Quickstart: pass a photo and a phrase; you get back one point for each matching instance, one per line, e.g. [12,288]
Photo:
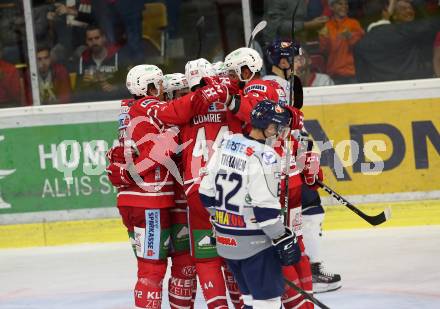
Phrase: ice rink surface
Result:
[380,268]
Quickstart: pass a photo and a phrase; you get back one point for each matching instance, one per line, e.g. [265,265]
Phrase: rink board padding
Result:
[414,213]
[379,143]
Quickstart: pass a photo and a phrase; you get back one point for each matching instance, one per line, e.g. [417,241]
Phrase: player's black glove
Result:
[287,248]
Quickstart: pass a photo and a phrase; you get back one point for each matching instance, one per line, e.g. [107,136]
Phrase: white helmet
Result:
[196,69]
[140,76]
[244,56]
[172,82]
[219,68]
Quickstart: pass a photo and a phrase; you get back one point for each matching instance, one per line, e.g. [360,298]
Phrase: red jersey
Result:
[153,144]
[255,91]
[198,133]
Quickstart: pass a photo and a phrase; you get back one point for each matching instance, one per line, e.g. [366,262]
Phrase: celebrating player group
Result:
[210,173]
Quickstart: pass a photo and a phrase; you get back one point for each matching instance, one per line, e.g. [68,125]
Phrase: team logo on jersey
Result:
[248,199]
[229,219]
[269,158]
[226,241]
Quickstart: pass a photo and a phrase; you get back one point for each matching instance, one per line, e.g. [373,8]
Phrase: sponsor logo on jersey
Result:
[152,226]
[257,87]
[233,162]
[228,219]
[189,271]
[205,241]
[269,158]
[226,241]
[249,151]
[124,120]
[217,107]
[209,118]
[235,146]
[183,233]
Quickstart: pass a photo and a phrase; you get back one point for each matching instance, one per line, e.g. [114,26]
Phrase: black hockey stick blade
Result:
[260,26]
[373,220]
[298,91]
[306,295]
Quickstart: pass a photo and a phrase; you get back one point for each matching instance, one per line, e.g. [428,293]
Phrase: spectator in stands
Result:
[10,86]
[436,58]
[397,51]
[309,78]
[117,15]
[13,34]
[53,79]
[100,75]
[337,39]
[279,13]
[70,19]
[384,8]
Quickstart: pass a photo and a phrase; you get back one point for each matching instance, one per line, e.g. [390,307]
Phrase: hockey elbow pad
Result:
[287,248]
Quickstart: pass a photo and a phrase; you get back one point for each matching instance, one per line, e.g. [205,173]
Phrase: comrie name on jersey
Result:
[233,162]
[209,118]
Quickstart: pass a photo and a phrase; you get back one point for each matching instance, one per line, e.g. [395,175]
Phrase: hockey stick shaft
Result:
[373,220]
[306,295]
[260,26]
[288,139]
[199,26]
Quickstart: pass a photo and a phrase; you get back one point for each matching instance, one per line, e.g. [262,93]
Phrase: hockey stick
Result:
[306,295]
[373,220]
[260,26]
[200,24]
[287,140]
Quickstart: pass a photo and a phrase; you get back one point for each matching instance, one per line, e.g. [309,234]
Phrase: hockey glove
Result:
[203,97]
[119,175]
[297,118]
[287,248]
[220,85]
[116,154]
[311,169]
[232,85]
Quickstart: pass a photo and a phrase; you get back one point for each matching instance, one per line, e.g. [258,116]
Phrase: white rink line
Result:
[380,268]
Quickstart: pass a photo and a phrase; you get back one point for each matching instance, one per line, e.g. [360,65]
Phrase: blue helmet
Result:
[282,49]
[267,112]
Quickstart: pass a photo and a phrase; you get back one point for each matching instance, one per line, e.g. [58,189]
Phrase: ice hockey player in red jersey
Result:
[245,64]
[201,132]
[182,284]
[142,170]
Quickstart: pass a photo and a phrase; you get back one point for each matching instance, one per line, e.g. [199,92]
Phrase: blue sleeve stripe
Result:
[207,201]
[264,214]
[241,232]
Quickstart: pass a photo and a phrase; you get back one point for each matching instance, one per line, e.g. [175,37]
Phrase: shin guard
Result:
[212,283]
[148,289]
[180,284]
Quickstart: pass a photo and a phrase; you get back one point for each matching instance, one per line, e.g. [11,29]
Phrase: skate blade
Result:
[326,288]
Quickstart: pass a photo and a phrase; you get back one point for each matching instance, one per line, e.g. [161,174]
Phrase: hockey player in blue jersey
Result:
[241,188]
